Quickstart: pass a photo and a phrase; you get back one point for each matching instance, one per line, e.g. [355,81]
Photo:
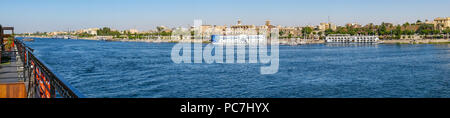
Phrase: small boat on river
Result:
[28,39]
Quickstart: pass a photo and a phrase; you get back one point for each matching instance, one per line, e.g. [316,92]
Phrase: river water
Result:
[145,70]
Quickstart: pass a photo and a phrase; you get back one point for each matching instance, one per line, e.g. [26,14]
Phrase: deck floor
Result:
[8,72]
[10,86]
[13,90]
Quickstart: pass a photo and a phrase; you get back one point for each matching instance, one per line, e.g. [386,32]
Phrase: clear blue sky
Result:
[53,15]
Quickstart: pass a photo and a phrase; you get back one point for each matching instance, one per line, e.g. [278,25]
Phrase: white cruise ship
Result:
[342,38]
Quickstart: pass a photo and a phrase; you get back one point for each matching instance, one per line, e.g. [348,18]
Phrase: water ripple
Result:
[121,69]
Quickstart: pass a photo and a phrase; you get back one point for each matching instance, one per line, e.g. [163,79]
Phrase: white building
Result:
[91,31]
[133,31]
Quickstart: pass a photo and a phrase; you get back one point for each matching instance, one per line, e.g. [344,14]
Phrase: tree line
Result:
[384,30]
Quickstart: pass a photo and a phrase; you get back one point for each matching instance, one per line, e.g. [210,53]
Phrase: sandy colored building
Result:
[353,25]
[243,29]
[91,31]
[442,23]
[133,31]
[325,26]
[56,33]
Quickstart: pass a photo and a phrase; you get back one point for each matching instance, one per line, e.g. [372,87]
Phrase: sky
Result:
[64,15]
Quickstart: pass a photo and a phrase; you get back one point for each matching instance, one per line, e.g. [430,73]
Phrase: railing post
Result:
[52,90]
[24,63]
[31,86]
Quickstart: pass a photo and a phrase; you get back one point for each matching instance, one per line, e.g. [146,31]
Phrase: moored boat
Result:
[28,39]
[341,38]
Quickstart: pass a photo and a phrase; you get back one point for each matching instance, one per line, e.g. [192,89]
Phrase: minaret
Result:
[239,22]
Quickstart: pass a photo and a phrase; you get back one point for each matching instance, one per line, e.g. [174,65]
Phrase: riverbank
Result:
[419,41]
[161,41]
[282,41]
[298,42]
[127,40]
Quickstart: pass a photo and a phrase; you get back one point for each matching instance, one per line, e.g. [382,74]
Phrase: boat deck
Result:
[13,90]
[10,86]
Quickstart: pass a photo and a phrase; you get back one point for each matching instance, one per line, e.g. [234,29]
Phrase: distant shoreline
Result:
[418,41]
[282,41]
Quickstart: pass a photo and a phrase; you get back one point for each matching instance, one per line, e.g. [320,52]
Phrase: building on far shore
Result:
[243,29]
[91,31]
[353,25]
[57,33]
[132,31]
[442,23]
[325,26]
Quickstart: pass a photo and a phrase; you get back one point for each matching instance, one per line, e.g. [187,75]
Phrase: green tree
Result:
[382,29]
[398,31]
[446,31]
[307,30]
[160,29]
[418,21]
[436,31]
[106,31]
[425,29]
[329,31]
[408,32]
[352,31]
[103,31]
[341,30]
[281,33]
[406,24]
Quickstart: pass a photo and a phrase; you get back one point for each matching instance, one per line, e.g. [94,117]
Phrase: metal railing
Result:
[42,82]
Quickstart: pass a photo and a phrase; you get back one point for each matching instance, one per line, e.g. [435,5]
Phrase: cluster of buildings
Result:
[440,23]
[207,30]
[90,31]
[239,28]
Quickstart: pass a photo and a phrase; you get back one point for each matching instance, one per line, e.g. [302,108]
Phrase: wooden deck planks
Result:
[13,90]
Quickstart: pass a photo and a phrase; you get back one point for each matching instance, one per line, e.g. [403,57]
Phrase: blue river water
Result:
[145,70]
